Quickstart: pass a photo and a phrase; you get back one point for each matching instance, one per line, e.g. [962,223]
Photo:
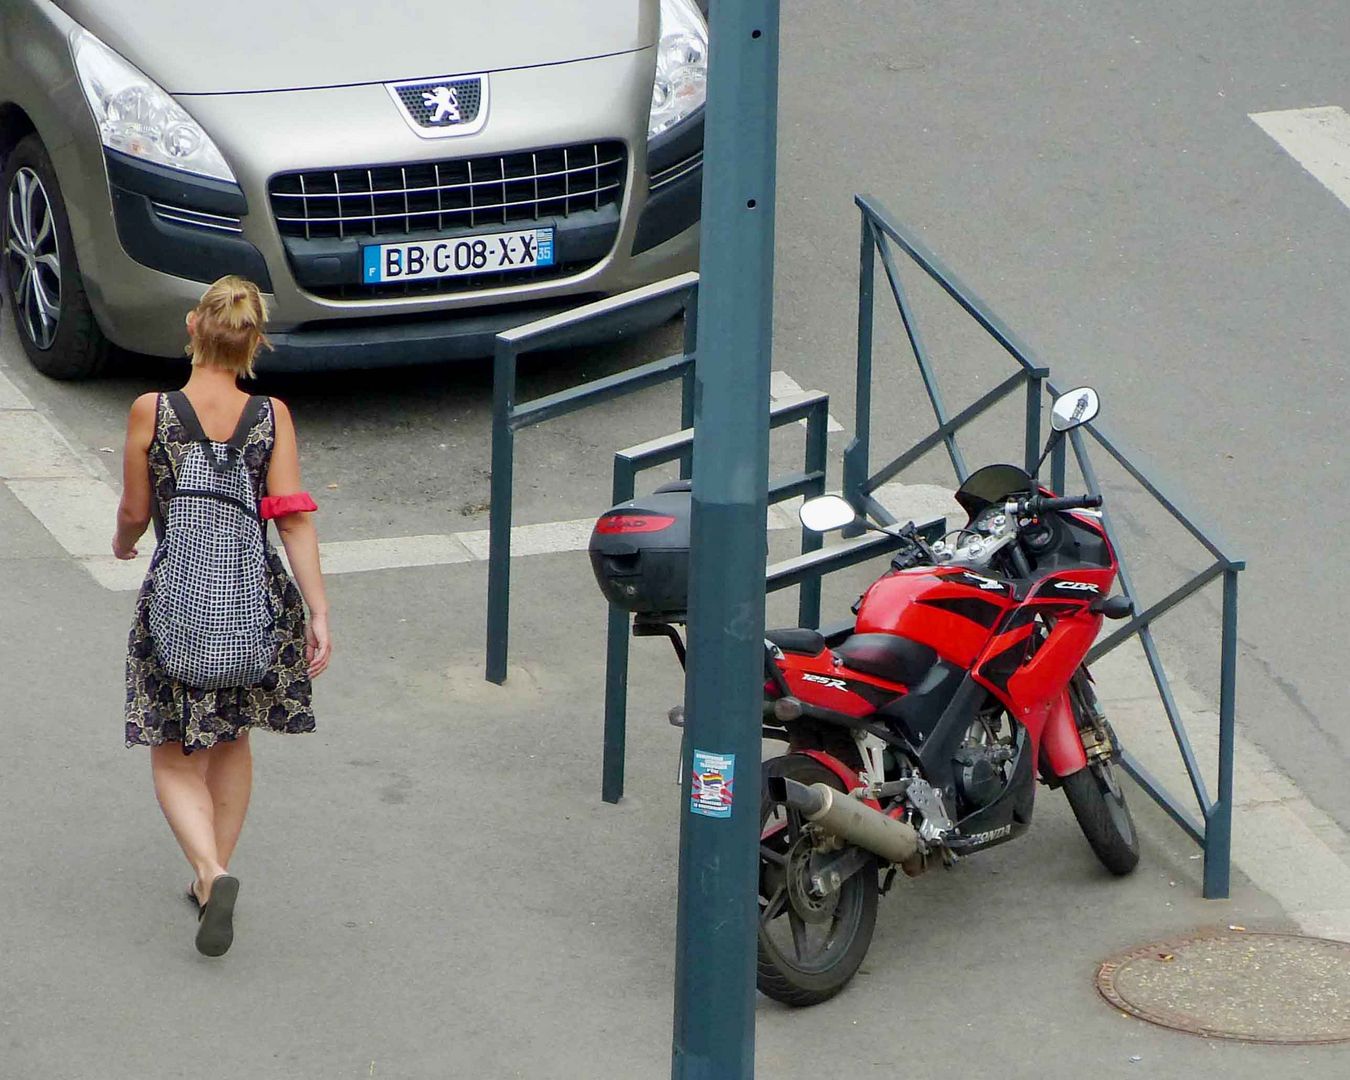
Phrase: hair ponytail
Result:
[227,326]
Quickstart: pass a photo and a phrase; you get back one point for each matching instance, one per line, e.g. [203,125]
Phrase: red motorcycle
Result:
[917,734]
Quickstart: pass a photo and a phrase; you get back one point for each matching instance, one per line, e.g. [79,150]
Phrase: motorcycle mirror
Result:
[826,513]
[1074,409]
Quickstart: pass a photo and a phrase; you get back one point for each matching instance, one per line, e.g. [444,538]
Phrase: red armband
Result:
[275,506]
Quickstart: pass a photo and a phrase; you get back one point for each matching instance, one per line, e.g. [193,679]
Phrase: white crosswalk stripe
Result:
[782,385]
[71,498]
[1318,139]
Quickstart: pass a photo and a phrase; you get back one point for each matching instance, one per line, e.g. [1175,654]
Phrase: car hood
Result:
[240,46]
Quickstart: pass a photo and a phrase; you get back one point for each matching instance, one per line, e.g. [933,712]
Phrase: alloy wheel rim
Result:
[33,258]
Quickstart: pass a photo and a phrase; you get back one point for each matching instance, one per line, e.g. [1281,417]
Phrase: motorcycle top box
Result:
[640,554]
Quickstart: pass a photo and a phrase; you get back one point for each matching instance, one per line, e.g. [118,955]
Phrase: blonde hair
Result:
[227,328]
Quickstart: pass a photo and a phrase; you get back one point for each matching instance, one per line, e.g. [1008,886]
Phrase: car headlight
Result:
[138,118]
[681,84]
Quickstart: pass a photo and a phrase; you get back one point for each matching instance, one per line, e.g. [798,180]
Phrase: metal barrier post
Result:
[616,705]
[499,511]
[1035,388]
[817,450]
[857,453]
[1059,457]
[1219,820]
[616,665]
[689,383]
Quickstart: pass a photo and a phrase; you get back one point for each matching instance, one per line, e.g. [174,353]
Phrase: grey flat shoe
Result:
[215,921]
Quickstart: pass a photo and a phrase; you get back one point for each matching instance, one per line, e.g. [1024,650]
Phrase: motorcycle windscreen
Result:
[992,484]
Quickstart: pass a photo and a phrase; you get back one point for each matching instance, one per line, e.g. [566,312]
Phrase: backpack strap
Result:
[187,416]
[156,518]
[253,411]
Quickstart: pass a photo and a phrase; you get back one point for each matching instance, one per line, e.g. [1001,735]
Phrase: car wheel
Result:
[42,280]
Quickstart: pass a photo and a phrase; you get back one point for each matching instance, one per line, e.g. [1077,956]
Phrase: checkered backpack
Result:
[211,618]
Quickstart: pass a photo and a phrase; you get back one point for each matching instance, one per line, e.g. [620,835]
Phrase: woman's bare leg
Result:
[182,793]
[180,787]
[229,778]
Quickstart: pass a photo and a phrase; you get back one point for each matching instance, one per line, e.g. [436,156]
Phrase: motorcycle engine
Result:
[978,777]
[980,766]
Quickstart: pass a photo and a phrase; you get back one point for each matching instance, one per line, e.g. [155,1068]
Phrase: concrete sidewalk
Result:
[432,887]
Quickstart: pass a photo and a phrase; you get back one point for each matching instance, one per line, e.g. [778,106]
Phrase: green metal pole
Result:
[499,520]
[714,1031]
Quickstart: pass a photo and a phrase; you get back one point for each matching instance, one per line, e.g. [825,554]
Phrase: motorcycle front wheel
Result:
[1099,805]
[809,947]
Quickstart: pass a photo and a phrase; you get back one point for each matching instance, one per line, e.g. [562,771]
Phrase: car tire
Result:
[42,281]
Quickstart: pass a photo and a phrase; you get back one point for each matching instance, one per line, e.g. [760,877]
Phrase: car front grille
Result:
[395,200]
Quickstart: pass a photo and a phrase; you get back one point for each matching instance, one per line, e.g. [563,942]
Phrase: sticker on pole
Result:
[711,793]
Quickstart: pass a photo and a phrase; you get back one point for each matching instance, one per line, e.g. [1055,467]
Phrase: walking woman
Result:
[220,643]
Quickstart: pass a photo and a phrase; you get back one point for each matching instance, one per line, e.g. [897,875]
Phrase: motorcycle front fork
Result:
[1098,741]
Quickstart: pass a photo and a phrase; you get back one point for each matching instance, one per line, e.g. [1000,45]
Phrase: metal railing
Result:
[1213,831]
[509,416]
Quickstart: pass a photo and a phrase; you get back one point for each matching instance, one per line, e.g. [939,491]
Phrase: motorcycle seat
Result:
[797,640]
[888,656]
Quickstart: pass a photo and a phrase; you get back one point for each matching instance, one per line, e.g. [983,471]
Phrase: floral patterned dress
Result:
[160,709]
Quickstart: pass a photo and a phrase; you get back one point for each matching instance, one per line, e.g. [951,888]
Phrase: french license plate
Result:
[482,253]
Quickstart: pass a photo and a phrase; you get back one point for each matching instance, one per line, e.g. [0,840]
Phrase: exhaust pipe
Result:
[848,818]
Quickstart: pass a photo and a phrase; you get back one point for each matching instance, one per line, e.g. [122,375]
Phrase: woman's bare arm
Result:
[300,538]
[133,513]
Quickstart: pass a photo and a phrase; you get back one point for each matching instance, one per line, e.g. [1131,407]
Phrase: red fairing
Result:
[275,506]
[1061,745]
[948,609]
[1033,686]
[822,681]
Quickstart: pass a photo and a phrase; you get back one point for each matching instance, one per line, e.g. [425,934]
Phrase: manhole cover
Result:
[1277,988]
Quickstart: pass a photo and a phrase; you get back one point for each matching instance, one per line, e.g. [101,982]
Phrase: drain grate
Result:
[1256,987]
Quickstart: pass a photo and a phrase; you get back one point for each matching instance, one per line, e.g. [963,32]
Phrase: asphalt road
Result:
[1091,172]
[1094,174]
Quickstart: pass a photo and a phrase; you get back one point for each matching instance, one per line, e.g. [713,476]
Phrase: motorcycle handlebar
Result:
[1038,504]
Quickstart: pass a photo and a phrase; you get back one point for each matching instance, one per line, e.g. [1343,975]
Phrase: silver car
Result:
[404,179]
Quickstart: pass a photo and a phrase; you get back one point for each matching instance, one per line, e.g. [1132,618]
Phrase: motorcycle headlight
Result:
[681,84]
[138,118]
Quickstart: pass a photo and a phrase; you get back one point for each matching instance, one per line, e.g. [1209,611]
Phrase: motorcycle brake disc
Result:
[806,900]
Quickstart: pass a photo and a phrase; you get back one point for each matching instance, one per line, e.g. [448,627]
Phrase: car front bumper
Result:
[146,257]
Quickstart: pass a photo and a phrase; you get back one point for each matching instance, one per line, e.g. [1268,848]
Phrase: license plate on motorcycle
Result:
[456,256]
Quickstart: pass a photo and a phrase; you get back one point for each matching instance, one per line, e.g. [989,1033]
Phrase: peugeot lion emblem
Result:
[444,103]
[436,108]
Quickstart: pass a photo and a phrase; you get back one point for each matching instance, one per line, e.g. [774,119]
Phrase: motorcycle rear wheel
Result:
[1099,805]
[806,961]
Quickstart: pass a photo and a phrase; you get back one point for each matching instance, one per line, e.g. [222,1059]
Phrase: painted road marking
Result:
[68,494]
[1318,139]
[357,556]
[71,499]
[782,385]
